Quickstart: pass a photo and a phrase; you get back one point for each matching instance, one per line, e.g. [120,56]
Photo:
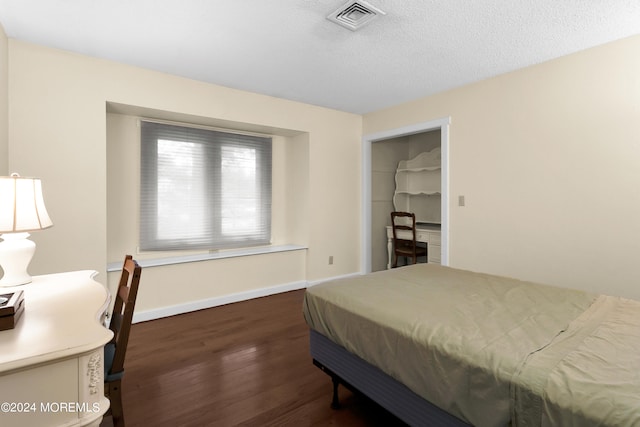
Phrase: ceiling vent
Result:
[355,14]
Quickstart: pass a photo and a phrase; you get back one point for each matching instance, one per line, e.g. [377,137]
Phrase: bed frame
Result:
[356,374]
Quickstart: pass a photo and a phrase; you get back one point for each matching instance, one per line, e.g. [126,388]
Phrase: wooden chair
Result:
[120,324]
[404,225]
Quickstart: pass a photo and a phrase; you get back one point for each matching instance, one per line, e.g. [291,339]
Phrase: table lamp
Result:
[21,210]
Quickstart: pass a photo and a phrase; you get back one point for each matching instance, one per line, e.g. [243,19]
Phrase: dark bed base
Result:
[354,373]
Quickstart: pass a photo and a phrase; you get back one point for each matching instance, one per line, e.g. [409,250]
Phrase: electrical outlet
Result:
[330,259]
[460,200]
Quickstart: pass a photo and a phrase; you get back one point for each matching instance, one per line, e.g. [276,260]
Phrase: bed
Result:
[441,346]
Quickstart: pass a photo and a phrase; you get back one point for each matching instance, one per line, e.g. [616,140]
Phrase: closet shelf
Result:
[422,169]
[421,192]
[419,185]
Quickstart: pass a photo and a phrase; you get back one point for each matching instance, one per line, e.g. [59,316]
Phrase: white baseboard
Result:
[173,310]
[214,302]
[344,276]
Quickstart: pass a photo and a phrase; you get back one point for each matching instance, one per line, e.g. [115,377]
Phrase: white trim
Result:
[367,140]
[215,302]
[365,232]
[227,299]
[155,262]
[344,276]
[446,196]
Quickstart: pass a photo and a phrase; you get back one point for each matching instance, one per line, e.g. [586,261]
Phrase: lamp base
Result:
[16,251]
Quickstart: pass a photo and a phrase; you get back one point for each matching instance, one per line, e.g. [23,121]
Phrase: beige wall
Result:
[58,132]
[4,103]
[548,159]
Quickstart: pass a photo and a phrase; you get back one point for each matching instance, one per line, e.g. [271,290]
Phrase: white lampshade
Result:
[22,205]
[21,210]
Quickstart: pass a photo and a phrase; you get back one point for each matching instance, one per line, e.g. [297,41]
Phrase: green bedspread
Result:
[476,345]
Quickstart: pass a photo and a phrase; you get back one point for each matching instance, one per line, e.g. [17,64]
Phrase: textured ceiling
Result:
[288,49]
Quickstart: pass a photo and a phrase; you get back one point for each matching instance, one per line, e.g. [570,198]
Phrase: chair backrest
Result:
[122,316]
[404,221]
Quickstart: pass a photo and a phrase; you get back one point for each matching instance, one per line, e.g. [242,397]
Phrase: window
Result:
[203,189]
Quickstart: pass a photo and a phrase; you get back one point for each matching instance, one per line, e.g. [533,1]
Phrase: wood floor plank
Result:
[242,364]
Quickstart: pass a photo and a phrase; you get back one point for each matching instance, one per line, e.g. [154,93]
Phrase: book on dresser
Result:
[11,308]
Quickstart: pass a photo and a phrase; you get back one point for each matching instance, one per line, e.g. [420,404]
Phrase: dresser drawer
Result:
[428,236]
[434,239]
[433,256]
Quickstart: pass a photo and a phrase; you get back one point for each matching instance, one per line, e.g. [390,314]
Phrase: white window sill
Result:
[155,262]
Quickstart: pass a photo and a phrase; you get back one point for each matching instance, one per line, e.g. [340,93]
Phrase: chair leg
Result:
[113,392]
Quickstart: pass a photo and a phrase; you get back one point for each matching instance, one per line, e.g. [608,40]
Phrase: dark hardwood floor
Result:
[242,364]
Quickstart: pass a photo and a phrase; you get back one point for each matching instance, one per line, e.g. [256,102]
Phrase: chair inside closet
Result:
[403,225]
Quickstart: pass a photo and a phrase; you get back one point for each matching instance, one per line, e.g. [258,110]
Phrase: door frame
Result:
[367,141]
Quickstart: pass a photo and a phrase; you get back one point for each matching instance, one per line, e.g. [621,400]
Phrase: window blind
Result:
[203,189]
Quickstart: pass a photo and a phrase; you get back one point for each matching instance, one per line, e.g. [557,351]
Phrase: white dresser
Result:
[51,363]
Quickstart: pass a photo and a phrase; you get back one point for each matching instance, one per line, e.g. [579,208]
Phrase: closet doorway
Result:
[381,153]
